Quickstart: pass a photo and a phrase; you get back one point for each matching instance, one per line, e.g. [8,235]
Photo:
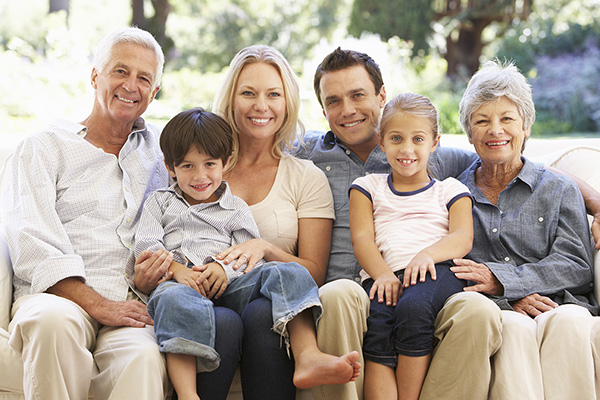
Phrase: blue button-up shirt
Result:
[342,167]
[536,239]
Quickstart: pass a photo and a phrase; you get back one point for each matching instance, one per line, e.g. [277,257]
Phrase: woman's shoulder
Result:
[295,166]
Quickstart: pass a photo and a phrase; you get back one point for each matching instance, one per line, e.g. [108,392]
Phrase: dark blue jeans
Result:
[408,328]
[215,385]
[267,371]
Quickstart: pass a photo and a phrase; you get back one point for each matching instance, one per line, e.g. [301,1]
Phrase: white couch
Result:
[582,161]
[11,368]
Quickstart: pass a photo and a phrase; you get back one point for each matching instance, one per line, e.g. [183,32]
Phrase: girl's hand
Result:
[249,252]
[418,268]
[387,286]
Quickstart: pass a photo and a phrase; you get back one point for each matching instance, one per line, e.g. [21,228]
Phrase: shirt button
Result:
[348,152]
[328,168]
[128,220]
[495,230]
[357,279]
[507,259]
[541,219]
[126,189]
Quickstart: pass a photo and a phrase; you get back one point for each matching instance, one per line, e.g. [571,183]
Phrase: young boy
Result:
[195,219]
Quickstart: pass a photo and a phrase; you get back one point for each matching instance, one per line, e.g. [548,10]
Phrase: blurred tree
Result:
[460,22]
[209,33]
[59,5]
[157,24]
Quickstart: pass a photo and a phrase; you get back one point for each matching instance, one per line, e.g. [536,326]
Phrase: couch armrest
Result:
[6,288]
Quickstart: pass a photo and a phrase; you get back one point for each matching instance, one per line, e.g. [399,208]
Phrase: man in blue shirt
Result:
[350,89]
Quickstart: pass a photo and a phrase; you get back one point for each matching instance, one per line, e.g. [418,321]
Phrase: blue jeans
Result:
[215,385]
[408,328]
[267,370]
[184,320]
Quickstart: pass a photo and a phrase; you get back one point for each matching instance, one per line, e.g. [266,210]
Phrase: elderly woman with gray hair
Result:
[532,251]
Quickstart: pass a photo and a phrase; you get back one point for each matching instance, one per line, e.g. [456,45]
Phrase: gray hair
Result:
[493,81]
[129,35]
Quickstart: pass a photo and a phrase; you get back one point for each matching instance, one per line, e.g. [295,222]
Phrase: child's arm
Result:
[362,232]
[456,244]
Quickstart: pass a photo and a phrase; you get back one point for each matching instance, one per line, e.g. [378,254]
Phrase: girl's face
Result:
[259,107]
[407,141]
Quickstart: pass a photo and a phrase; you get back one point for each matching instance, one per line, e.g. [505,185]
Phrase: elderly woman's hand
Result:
[533,305]
[486,281]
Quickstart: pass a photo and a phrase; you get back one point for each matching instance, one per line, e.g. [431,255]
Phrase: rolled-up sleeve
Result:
[40,248]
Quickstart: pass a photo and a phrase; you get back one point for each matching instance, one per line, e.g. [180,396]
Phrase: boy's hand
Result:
[387,287]
[212,281]
[417,268]
[188,277]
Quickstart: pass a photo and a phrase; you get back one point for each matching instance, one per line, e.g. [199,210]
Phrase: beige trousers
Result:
[65,353]
[550,357]
[468,330]
[341,330]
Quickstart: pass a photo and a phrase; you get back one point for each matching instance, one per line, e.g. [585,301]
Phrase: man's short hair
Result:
[210,133]
[341,59]
[129,35]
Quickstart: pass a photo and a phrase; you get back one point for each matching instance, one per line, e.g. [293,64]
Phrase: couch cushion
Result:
[6,288]
[581,161]
[11,379]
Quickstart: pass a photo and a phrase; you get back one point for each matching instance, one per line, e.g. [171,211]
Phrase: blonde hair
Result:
[413,104]
[291,130]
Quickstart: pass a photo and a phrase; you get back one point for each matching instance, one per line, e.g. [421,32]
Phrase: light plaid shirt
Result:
[71,210]
[195,234]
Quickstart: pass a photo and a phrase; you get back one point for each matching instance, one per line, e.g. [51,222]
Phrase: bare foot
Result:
[324,369]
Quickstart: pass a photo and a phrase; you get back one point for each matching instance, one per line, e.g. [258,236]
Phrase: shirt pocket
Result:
[535,240]
[338,175]
[287,224]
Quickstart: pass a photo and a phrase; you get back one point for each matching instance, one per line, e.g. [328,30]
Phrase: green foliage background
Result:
[46,60]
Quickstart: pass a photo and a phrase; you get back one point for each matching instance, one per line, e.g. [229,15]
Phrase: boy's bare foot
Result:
[324,369]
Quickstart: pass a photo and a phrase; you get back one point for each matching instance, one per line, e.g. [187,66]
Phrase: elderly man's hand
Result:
[121,313]
[533,305]
[151,269]
[485,280]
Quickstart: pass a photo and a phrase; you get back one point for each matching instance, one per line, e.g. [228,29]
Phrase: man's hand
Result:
[152,269]
[596,229]
[533,305]
[121,313]
[485,280]
[106,312]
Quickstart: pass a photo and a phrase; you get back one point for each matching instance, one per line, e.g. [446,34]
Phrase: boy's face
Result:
[198,176]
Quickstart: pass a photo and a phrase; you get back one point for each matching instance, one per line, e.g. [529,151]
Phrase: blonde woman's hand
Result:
[249,252]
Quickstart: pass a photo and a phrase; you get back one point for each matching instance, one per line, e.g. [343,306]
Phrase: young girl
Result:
[404,225]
